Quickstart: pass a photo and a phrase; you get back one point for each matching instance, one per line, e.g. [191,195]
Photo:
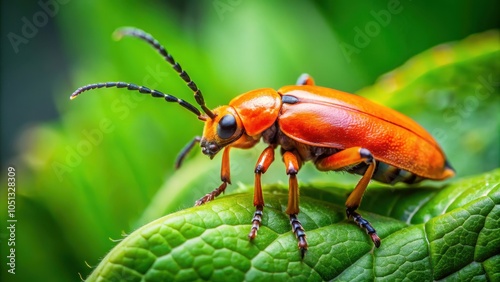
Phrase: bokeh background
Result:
[89,170]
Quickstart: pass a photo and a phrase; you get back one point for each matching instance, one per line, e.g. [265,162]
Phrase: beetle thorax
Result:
[273,135]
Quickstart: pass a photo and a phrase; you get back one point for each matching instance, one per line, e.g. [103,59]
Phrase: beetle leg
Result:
[185,151]
[347,158]
[225,176]
[263,163]
[305,79]
[292,163]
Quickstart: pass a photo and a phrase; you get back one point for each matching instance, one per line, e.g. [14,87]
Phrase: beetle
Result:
[337,131]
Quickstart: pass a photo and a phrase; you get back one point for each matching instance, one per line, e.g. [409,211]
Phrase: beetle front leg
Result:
[292,164]
[225,176]
[265,160]
[346,158]
[182,155]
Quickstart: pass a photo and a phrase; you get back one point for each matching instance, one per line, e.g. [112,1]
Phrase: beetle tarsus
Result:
[364,224]
[210,196]
[300,234]
[256,221]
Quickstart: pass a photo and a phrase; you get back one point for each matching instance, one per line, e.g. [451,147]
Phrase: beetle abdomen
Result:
[387,173]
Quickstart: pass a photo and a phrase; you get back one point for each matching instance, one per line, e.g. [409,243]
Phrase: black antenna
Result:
[130,31]
[141,89]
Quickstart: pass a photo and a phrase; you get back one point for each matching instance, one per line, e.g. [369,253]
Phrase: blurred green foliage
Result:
[91,175]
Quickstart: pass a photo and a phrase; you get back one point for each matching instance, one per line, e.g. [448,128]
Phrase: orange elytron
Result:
[333,129]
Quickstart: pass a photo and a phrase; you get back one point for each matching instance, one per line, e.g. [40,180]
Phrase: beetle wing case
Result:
[329,118]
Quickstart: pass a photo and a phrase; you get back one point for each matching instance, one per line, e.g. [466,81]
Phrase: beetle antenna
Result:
[130,31]
[141,89]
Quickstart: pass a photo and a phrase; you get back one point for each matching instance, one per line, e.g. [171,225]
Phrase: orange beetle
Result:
[333,129]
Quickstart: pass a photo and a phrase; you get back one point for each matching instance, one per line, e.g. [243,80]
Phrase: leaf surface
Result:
[460,239]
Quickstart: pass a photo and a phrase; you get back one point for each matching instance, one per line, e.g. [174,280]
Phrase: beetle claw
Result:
[201,201]
[303,249]
[375,239]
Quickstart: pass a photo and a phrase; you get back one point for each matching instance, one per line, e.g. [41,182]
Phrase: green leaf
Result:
[457,84]
[460,240]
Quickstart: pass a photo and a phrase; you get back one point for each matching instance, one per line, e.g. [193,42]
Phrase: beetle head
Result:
[225,128]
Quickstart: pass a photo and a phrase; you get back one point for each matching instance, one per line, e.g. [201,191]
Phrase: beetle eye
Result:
[226,127]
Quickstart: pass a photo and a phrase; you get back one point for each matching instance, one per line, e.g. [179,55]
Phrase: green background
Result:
[70,204]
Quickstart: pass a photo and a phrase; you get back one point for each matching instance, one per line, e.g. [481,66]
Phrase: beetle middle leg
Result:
[225,176]
[292,163]
[347,158]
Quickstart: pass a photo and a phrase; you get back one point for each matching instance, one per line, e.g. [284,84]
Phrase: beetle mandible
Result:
[335,130]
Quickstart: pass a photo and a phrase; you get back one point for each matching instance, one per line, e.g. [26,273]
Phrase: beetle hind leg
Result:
[347,158]
[305,79]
